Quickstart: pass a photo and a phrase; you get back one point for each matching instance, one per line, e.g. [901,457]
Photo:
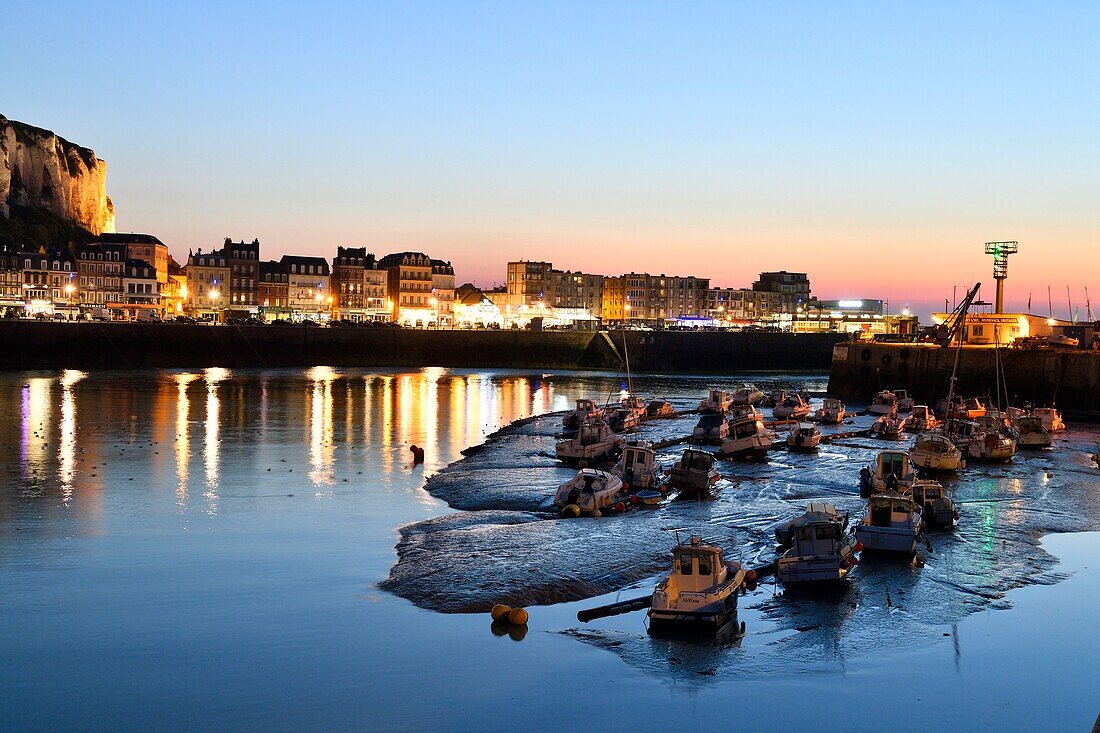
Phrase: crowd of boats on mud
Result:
[816,548]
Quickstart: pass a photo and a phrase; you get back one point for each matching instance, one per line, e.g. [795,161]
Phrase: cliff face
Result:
[40,170]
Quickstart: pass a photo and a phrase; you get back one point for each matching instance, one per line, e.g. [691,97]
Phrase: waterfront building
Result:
[578,291]
[49,281]
[537,285]
[443,293]
[207,275]
[11,281]
[421,289]
[376,304]
[639,297]
[528,284]
[174,292]
[358,285]
[308,294]
[793,289]
[474,309]
[244,277]
[614,303]
[685,297]
[100,270]
[142,288]
[274,294]
[141,247]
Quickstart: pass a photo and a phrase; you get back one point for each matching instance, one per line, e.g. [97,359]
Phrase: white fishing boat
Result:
[892,471]
[888,427]
[831,412]
[589,491]
[793,407]
[815,511]
[621,419]
[1032,432]
[717,401]
[695,473]
[934,451]
[1059,339]
[740,412]
[594,443]
[584,410]
[747,394]
[1052,419]
[978,445]
[711,429]
[773,398]
[804,437]
[638,467]
[820,551]
[699,595]
[633,404]
[748,440]
[920,420]
[884,403]
[659,409]
[905,402]
[937,507]
[892,524]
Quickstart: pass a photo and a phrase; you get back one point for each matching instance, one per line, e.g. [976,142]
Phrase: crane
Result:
[952,326]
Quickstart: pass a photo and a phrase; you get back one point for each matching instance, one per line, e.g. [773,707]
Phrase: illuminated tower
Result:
[1000,252]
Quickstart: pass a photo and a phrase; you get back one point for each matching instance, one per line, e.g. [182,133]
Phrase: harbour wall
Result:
[60,345]
[1069,378]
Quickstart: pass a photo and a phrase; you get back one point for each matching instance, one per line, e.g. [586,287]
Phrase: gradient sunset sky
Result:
[874,147]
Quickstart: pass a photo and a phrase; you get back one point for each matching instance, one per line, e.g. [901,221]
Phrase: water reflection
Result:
[183,437]
[320,429]
[66,449]
[211,444]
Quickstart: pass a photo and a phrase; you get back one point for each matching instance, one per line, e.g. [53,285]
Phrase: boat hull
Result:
[671,624]
[887,539]
[812,571]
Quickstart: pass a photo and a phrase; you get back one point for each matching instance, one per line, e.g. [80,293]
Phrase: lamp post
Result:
[435,311]
[69,288]
[214,295]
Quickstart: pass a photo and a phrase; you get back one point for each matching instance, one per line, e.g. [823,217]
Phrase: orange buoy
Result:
[500,611]
[517,616]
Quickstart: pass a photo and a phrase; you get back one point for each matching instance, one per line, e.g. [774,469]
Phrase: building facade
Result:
[793,289]
[142,288]
[100,271]
[308,293]
[358,286]
[409,278]
[11,282]
[443,294]
[141,247]
[49,282]
[244,276]
[207,275]
[274,292]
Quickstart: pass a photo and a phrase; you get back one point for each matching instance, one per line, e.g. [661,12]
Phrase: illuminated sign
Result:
[851,304]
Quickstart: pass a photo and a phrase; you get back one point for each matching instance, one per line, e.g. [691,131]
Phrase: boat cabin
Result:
[745,428]
[926,492]
[738,412]
[638,466]
[817,538]
[830,404]
[593,432]
[958,429]
[696,567]
[696,460]
[893,463]
[921,412]
[890,510]
[1029,424]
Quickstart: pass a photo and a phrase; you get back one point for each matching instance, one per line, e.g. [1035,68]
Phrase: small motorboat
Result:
[700,594]
[1052,419]
[978,444]
[934,451]
[659,409]
[892,523]
[711,429]
[773,398]
[905,402]
[621,419]
[594,443]
[694,473]
[589,491]
[584,410]
[638,467]
[815,511]
[831,412]
[747,394]
[650,497]
[633,404]
[884,403]
[1059,339]
[1032,432]
[717,401]
[793,407]
[960,408]
[748,439]
[820,551]
[892,471]
[804,436]
[937,507]
[888,427]
[920,420]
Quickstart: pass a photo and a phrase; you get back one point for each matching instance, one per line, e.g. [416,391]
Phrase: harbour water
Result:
[255,549]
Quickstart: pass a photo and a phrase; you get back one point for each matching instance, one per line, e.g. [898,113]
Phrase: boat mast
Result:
[626,357]
[1088,304]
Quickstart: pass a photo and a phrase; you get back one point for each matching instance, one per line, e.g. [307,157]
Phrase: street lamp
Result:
[214,295]
[435,311]
[69,288]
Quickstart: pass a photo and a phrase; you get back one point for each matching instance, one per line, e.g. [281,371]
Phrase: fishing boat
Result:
[1032,432]
[892,524]
[659,409]
[748,440]
[891,471]
[884,403]
[815,511]
[1052,419]
[717,401]
[962,408]
[820,551]
[747,394]
[793,407]
[1059,339]
[694,473]
[711,429]
[920,420]
[594,443]
[804,437]
[831,412]
[773,398]
[934,451]
[589,491]
[905,402]
[699,595]
[979,445]
[638,467]
[584,410]
[633,404]
[621,419]
[888,427]
[937,507]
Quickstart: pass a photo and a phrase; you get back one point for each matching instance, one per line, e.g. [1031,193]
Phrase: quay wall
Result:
[62,345]
[1069,378]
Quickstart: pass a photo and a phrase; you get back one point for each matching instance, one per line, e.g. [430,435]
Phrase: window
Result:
[704,565]
[685,564]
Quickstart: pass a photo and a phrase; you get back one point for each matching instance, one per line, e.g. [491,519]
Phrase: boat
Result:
[1032,432]
[892,524]
[694,473]
[747,394]
[650,497]
[622,418]
[584,410]
[740,412]
[638,467]
[815,510]
[820,551]
[700,594]
[717,401]
[905,402]
[590,491]
[633,404]
[934,451]
[711,429]
[594,443]
[937,507]
[977,444]
[773,398]
[888,427]
[920,420]
[884,403]
[892,471]
[804,436]
[659,409]
[1052,419]
[793,407]
[748,440]
[831,412]
[964,408]
[1059,339]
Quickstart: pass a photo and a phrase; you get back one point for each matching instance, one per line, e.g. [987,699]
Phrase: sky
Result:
[876,146]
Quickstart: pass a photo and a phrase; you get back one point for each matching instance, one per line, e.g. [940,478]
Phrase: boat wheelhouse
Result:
[700,594]
[1052,419]
[892,524]
[717,401]
[711,429]
[638,467]
[695,473]
[584,410]
[888,427]
[1032,432]
[905,402]
[793,407]
[937,507]
[594,443]
[748,440]
[831,412]
[920,420]
[820,552]
[804,437]
[659,408]
[934,451]
[747,394]
[816,511]
[892,471]
[884,403]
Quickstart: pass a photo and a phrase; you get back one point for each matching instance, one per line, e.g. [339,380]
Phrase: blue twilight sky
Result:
[875,145]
